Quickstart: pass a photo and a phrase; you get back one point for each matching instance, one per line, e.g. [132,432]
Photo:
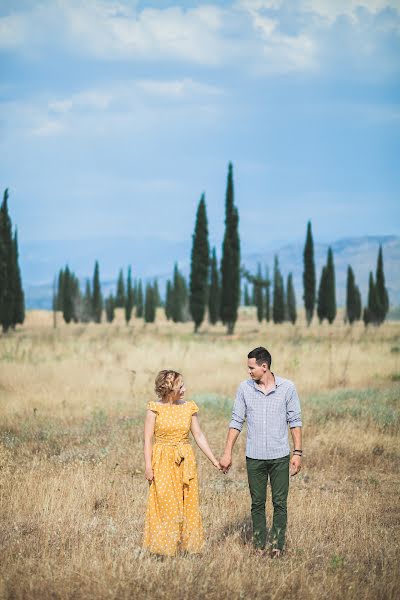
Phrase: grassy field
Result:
[73,492]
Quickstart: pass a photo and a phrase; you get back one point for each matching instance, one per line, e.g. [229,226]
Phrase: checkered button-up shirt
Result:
[268,416]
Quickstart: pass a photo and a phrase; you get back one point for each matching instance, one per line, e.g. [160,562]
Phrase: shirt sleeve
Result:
[293,411]
[194,408]
[239,411]
[152,406]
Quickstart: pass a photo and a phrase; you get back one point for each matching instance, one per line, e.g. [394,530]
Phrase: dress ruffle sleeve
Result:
[152,405]
[194,408]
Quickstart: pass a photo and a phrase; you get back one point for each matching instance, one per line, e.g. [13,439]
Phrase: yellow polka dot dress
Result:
[173,519]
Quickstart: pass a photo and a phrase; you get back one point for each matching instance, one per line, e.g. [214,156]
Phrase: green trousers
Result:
[258,471]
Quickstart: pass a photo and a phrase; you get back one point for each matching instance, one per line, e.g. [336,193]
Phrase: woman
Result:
[173,518]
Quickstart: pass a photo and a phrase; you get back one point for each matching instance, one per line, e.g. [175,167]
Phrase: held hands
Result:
[217,465]
[225,463]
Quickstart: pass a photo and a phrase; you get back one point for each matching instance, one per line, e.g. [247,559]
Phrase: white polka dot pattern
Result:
[173,519]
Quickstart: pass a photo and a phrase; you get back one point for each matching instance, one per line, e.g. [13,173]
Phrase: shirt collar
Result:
[278,381]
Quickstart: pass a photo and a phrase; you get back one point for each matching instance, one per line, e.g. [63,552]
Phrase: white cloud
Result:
[134,105]
[332,10]
[261,36]
[329,10]
[208,35]
[171,33]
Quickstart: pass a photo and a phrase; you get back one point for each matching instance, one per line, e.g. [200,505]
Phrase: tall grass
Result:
[73,494]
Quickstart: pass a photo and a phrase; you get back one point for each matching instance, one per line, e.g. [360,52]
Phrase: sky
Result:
[115,116]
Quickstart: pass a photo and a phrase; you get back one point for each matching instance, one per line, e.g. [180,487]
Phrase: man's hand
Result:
[226,462]
[295,465]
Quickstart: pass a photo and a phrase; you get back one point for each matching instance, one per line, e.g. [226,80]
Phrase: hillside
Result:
[41,260]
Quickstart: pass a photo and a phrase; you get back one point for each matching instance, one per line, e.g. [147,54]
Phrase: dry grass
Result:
[72,487]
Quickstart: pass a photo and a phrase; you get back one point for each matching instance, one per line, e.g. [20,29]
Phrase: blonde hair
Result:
[167,381]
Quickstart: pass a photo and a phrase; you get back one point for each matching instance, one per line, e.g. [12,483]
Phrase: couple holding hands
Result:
[269,404]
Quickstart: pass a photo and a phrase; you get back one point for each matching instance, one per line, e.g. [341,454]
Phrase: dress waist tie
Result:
[183,452]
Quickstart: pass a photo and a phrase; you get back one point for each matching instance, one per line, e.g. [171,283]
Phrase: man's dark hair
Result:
[261,355]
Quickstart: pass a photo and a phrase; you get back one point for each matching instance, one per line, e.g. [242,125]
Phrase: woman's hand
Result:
[217,465]
[149,474]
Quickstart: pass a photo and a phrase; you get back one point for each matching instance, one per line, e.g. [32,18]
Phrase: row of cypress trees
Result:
[218,290]
[86,307]
[378,300]
[12,301]
[177,298]
[75,305]
[283,306]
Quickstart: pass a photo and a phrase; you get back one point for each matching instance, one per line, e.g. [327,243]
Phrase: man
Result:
[269,403]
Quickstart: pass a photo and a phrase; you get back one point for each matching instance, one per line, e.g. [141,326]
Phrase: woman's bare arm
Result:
[148,443]
[201,441]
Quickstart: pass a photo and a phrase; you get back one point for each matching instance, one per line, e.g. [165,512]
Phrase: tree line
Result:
[324,300]
[12,301]
[87,306]
[215,289]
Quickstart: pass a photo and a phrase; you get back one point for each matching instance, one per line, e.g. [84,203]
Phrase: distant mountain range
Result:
[150,258]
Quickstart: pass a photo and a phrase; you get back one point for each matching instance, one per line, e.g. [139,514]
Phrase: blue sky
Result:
[116,116]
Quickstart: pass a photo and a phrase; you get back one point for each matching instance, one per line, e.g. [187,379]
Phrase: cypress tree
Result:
[200,260]
[366,318]
[309,280]
[128,297]
[214,294]
[374,308]
[291,300]
[322,296]
[267,298]
[149,306]
[353,298]
[67,299]
[182,297]
[330,288]
[350,296]
[259,297]
[371,310]
[156,292]
[6,266]
[19,299]
[230,263]
[97,299]
[87,304]
[168,300]
[358,303]
[382,297]
[109,306]
[76,298]
[177,297]
[278,309]
[139,301]
[120,299]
